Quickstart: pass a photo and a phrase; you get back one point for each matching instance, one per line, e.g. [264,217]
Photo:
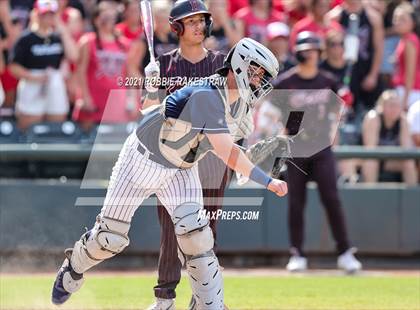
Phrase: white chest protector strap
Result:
[241,123]
[107,238]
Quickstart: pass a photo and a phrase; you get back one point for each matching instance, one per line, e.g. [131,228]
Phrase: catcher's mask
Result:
[259,81]
[253,66]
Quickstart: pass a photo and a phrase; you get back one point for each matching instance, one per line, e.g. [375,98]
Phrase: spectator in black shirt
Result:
[350,131]
[386,10]
[387,125]
[36,59]
[365,83]
[334,61]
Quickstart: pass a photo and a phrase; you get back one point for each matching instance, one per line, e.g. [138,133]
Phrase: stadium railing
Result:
[81,152]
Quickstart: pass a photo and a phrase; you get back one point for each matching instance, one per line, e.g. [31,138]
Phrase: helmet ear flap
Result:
[300,57]
[209,26]
[177,27]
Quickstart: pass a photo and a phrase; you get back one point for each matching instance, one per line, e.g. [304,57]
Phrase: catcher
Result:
[161,158]
[191,23]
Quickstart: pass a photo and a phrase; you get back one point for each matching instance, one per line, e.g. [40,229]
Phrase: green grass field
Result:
[312,292]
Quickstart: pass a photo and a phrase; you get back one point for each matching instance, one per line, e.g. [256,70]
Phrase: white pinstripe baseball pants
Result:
[135,177]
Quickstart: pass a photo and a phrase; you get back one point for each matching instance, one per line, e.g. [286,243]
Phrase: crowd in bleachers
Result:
[63,60]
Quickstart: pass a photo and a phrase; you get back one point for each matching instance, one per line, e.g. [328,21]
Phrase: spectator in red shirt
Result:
[252,21]
[10,29]
[278,42]
[296,10]
[335,3]
[407,74]
[101,65]
[235,5]
[2,64]
[130,27]
[315,21]
[71,18]
[413,118]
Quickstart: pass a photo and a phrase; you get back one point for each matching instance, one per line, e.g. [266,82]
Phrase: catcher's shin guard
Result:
[107,238]
[206,281]
[67,281]
[195,240]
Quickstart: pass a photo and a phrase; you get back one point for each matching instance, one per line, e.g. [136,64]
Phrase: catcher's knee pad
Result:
[107,238]
[206,281]
[192,231]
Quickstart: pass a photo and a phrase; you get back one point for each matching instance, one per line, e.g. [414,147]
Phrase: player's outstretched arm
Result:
[233,156]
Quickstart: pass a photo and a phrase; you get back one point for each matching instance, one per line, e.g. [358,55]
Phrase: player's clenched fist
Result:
[278,187]
[152,70]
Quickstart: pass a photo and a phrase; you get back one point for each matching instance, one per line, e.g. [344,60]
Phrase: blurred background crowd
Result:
[62,60]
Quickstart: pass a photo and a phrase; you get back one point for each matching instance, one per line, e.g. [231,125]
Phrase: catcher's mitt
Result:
[277,147]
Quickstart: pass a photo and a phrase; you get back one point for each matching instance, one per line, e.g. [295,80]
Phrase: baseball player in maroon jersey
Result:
[320,166]
[192,23]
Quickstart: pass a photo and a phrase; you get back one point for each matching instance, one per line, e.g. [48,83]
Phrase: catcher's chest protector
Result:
[181,145]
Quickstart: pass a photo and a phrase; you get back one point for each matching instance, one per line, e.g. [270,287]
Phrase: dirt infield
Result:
[254,272]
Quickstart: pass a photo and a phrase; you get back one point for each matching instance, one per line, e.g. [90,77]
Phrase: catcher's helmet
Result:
[306,40]
[246,56]
[186,8]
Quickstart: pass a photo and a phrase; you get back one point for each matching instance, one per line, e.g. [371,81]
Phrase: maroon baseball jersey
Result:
[312,97]
[291,80]
[176,71]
